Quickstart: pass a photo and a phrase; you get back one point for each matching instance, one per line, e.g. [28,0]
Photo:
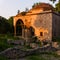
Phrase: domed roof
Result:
[45,6]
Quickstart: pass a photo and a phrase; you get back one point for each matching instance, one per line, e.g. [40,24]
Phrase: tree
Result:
[10,21]
[57,7]
[4,25]
[53,1]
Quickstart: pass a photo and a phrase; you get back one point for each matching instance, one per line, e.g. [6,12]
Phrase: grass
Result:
[3,58]
[35,57]
[8,36]
[3,41]
[44,56]
[3,44]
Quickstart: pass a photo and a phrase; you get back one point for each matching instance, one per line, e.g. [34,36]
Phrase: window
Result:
[41,33]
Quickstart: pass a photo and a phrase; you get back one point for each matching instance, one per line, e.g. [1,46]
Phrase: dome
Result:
[45,6]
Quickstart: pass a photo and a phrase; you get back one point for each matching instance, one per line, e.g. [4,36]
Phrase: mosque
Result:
[40,21]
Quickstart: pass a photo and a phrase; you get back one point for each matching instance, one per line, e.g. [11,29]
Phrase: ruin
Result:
[40,21]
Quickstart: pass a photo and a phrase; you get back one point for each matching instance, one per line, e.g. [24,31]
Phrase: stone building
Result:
[40,21]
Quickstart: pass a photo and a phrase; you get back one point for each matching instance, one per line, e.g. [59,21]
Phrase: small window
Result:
[41,33]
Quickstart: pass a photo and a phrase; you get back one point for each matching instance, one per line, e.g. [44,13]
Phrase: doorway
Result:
[19,27]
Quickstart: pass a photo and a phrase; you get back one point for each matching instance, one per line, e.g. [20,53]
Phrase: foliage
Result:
[53,1]
[57,7]
[4,25]
[35,4]
[3,41]
[3,44]
[10,21]
[26,9]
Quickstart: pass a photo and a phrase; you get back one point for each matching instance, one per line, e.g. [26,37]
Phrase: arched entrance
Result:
[19,27]
[32,31]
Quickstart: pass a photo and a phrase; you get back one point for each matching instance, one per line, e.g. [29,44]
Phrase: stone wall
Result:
[17,52]
[55,24]
[43,23]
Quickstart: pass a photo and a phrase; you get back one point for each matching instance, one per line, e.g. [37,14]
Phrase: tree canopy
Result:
[10,21]
[4,25]
[53,1]
[57,7]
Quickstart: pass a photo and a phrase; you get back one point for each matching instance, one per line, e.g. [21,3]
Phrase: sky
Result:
[9,8]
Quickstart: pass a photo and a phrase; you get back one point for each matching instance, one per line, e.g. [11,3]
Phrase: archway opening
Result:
[32,31]
[19,27]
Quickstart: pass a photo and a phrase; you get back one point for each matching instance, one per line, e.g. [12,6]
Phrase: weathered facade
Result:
[40,21]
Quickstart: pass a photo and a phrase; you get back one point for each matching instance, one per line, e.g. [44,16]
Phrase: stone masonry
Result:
[41,21]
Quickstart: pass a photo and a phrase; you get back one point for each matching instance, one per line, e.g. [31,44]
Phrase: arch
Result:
[19,27]
[32,31]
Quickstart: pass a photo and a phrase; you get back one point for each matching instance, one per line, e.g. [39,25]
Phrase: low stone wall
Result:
[16,42]
[18,53]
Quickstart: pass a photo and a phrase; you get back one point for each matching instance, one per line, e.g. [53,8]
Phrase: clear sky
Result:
[9,7]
